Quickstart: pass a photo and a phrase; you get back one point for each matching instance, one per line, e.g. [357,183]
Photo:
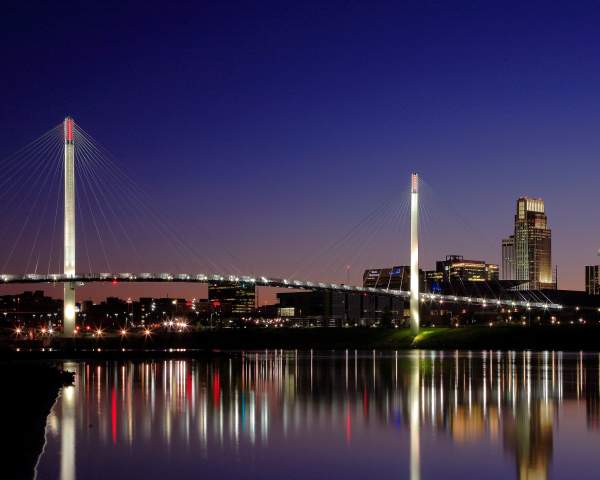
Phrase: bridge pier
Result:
[69,231]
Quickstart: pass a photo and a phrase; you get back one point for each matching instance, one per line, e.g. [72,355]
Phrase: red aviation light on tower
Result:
[69,130]
[415,183]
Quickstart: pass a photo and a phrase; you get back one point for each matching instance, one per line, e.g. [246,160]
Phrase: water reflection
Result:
[67,434]
[315,415]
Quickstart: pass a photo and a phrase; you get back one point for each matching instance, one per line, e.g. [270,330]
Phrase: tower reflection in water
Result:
[265,399]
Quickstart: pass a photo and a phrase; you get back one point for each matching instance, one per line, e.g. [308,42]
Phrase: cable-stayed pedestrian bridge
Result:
[45,176]
[263,281]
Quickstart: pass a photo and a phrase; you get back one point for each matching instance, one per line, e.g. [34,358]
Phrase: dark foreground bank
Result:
[28,393]
[567,337]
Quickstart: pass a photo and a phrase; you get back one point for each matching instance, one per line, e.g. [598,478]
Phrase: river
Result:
[321,415]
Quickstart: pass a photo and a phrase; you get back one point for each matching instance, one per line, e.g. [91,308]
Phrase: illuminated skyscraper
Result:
[532,245]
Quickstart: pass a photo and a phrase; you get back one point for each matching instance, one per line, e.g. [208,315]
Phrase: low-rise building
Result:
[333,308]
[392,278]
[456,267]
[235,300]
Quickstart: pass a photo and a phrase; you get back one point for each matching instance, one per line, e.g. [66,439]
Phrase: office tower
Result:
[532,245]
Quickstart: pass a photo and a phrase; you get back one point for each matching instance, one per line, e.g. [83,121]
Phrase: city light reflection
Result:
[258,400]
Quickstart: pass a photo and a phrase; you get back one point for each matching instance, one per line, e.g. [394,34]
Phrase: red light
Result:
[415,183]
[216,389]
[113,414]
[114,282]
[69,129]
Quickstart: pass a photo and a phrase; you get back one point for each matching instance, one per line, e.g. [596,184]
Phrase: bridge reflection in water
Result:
[349,414]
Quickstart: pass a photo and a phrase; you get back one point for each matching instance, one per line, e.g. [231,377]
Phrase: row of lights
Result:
[43,331]
[484,301]
[97,333]
[123,332]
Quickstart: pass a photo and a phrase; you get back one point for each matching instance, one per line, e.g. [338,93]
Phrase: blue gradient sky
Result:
[279,125]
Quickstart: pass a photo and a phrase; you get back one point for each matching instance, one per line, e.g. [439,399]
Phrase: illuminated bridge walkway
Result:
[261,281]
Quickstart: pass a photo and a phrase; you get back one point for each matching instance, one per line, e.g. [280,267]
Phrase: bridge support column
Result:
[69,232]
[414,254]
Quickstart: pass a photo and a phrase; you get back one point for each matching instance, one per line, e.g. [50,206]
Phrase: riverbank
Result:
[28,393]
[512,337]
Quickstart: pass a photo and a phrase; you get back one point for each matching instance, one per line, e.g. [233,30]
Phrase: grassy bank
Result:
[571,337]
[564,337]
[28,393]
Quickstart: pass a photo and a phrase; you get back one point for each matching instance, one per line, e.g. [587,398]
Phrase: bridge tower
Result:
[69,232]
[414,253]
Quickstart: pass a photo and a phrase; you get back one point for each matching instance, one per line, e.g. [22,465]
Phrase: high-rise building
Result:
[532,262]
[508,258]
[592,279]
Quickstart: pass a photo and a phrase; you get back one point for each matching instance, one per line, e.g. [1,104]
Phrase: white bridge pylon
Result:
[414,253]
[69,313]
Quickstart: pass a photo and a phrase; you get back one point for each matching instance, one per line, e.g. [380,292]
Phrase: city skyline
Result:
[535,206]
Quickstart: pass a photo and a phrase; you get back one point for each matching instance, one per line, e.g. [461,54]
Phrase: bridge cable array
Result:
[118,227]
[28,189]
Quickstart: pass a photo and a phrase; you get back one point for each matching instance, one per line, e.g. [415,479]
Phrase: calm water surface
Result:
[350,415]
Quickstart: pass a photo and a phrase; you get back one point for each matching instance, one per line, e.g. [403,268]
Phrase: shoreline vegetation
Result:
[29,392]
[164,344]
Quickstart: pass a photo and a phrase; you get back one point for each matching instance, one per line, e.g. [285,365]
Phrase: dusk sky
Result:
[277,129]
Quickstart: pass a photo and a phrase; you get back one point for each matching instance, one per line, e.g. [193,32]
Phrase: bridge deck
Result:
[265,282]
